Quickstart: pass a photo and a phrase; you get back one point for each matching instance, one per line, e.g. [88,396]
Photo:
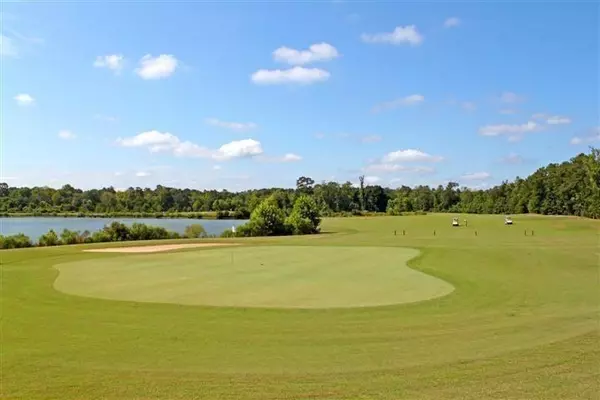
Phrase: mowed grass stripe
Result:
[273,276]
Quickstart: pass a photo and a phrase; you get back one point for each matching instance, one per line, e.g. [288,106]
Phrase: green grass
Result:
[522,322]
[257,276]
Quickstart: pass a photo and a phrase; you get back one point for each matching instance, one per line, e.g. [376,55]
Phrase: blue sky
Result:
[241,95]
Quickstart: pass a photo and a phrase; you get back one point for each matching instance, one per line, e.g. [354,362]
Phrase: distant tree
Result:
[361,192]
[304,184]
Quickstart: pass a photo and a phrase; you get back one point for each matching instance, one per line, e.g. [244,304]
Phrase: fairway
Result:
[349,314]
[274,276]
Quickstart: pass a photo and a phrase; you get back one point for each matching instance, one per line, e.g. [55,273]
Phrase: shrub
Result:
[194,231]
[228,234]
[49,239]
[305,217]
[71,237]
[139,231]
[100,236]
[117,231]
[17,241]
[265,220]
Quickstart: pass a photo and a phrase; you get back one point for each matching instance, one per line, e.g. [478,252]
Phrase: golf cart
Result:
[455,222]
[508,220]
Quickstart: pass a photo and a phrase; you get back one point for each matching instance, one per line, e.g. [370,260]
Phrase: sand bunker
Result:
[156,248]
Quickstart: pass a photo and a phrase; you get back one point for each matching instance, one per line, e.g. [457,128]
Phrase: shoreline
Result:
[191,215]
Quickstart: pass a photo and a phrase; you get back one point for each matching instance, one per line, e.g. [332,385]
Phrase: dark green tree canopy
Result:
[569,188]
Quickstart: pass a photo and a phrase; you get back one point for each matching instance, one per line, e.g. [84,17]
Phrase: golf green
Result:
[257,276]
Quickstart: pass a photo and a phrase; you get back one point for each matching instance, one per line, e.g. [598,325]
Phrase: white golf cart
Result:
[455,222]
[508,220]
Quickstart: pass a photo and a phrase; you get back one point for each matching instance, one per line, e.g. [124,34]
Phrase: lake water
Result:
[34,227]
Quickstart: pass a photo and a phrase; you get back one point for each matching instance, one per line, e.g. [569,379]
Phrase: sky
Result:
[238,95]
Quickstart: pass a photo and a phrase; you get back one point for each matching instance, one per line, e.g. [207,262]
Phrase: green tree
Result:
[49,239]
[305,217]
[267,220]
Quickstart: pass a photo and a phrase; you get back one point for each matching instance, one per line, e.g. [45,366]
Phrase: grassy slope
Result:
[257,276]
[522,323]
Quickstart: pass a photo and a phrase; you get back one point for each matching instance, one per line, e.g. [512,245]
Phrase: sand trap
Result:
[156,248]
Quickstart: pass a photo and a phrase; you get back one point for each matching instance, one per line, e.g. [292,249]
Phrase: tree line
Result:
[568,188]
[267,219]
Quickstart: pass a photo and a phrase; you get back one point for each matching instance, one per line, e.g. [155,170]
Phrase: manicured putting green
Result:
[261,276]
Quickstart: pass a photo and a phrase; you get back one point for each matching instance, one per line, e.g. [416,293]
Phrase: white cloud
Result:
[118,173]
[511,98]
[476,176]
[238,149]
[67,135]
[157,142]
[592,138]
[412,100]
[558,120]
[234,126]
[451,22]
[410,155]
[316,52]
[7,47]
[296,75]
[391,167]
[401,35]
[507,111]
[216,167]
[371,139]
[551,119]
[319,135]
[24,99]
[291,157]
[371,180]
[159,67]
[515,131]
[142,174]
[113,62]
[152,139]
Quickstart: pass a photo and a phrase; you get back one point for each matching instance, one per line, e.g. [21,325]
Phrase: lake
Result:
[34,227]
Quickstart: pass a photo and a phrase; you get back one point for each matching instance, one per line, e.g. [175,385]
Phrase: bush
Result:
[228,234]
[265,220]
[139,231]
[71,237]
[299,225]
[194,231]
[305,217]
[17,241]
[49,239]
[117,231]
[100,237]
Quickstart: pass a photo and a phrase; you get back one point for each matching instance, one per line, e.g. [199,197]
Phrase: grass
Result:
[522,322]
[257,276]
